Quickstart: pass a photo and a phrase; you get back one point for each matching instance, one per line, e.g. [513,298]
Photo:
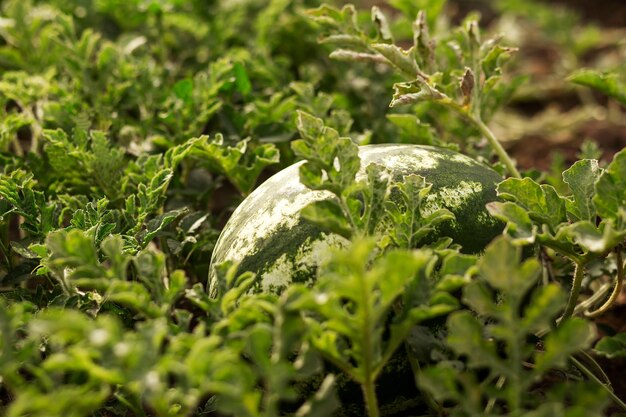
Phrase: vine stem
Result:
[619,282]
[497,147]
[486,132]
[597,369]
[370,398]
[579,273]
[367,384]
[592,376]
[597,296]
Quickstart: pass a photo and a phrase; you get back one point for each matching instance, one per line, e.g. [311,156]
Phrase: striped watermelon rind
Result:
[267,235]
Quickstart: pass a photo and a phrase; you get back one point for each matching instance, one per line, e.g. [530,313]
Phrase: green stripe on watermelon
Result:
[266,234]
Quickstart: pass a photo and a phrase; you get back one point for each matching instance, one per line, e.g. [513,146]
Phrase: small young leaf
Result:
[242,81]
[546,302]
[367,199]
[494,60]
[156,225]
[184,89]
[409,224]
[413,130]
[441,382]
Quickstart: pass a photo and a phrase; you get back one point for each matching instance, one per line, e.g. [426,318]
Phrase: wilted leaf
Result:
[380,20]
[415,92]
[398,58]
[467,85]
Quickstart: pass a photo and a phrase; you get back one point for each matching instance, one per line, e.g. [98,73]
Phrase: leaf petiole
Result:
[496,146]
[617,289]
[579,273]
[604,386]
[371,401]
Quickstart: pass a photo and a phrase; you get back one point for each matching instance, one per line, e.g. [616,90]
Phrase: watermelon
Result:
[267,235]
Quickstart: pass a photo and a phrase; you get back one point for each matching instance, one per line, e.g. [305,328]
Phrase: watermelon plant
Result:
[270,208]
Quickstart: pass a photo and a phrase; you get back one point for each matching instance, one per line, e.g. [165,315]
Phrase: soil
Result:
[606,13]
[541,152]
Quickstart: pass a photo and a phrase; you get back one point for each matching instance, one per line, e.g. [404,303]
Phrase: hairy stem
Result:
[503,156]
[579,273]
[617,289]
[496,146]
[597,296]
